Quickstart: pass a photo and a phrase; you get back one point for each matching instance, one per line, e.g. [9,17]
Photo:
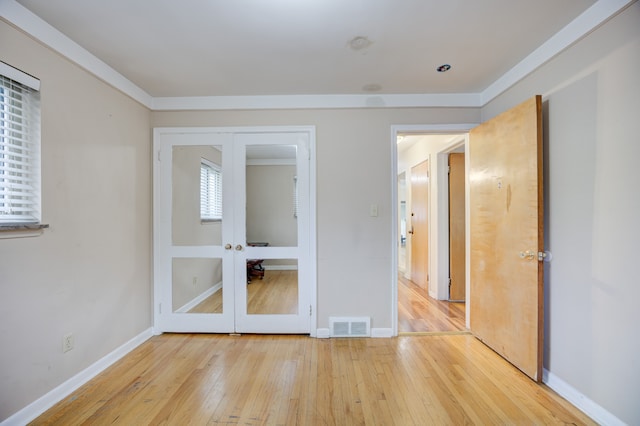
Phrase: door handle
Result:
[239,247]
[529,255]
[228,246]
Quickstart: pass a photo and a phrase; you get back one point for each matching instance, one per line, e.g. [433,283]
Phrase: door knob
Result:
[529,255]
[239,247]
[228,246]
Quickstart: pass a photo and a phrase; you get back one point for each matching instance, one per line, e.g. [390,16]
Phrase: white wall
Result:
[89,273]
[591,100]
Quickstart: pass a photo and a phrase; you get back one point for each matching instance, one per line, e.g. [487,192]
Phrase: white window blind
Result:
[210,191]
[19,149]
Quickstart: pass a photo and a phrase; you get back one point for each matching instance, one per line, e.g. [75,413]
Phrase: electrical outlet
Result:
[67,342]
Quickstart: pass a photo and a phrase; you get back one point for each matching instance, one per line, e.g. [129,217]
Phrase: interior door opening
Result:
[504,236]
[424,283]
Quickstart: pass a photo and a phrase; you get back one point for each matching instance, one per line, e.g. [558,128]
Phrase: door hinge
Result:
[158,155]
[449,282]
[160,308]
[310,310]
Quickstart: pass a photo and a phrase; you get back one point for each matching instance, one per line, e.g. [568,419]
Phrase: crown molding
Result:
[600,12]
[316,101]
[23,19]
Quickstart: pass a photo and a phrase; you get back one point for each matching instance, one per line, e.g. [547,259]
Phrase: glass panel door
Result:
[270,221]
[231,230]
[193,266]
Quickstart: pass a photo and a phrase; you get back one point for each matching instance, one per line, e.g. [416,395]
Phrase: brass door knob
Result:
[529,255]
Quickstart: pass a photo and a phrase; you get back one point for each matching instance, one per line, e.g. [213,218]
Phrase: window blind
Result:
[210,191]
[19,152]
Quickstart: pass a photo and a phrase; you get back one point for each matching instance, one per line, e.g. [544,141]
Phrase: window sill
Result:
[206,221]
[22,230]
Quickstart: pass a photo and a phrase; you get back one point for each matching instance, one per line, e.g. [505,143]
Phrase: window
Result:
[19,147]
[210,191]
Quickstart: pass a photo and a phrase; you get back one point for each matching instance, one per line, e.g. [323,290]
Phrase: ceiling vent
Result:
[350,326]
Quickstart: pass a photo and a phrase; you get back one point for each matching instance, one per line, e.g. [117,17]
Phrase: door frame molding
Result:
[458,128]
[312,276]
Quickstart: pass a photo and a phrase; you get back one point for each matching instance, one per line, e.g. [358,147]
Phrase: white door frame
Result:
[312,220]
[440,244]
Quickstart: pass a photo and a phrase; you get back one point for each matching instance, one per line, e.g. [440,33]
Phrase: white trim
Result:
[280,267]
[589,20]
[271,162]
[382,332]
[585,23]
[316,101]
[580,401]
[42,404]
[441,278]
[20,76]
[37,28]
[199,299]
[323,333]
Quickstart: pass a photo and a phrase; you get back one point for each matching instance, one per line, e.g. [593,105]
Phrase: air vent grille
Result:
[350,326]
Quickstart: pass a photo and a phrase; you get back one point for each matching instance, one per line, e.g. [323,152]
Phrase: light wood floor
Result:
[276,293]
[178,379]
[418,312]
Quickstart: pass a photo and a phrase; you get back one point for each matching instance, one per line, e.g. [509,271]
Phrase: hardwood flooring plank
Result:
[418,312]
[176,379]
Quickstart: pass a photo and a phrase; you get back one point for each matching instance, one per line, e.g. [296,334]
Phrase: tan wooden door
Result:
[506,234]
[419,224]
[457,237]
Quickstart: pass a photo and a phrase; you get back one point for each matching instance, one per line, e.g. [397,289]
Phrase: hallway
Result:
[420,313]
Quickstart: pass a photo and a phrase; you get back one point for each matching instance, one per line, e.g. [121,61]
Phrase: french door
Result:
[232,230]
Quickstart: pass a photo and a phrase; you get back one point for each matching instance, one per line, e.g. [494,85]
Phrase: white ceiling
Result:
[172,48]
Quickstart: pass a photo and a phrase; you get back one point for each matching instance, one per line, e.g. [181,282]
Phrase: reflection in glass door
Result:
[193,268]
[272,169]
[231,228]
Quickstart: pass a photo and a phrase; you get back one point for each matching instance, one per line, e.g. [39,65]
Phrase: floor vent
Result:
[350,326]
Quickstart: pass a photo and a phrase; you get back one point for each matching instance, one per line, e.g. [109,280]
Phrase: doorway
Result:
[423,305]
[233,232]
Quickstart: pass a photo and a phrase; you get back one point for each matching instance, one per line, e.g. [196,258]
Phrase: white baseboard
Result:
[199,299]
[381,332]
[280,267]
[580,401]
[323,333]
[42,404]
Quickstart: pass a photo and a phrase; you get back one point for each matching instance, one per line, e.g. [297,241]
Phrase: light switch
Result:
[373,211]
